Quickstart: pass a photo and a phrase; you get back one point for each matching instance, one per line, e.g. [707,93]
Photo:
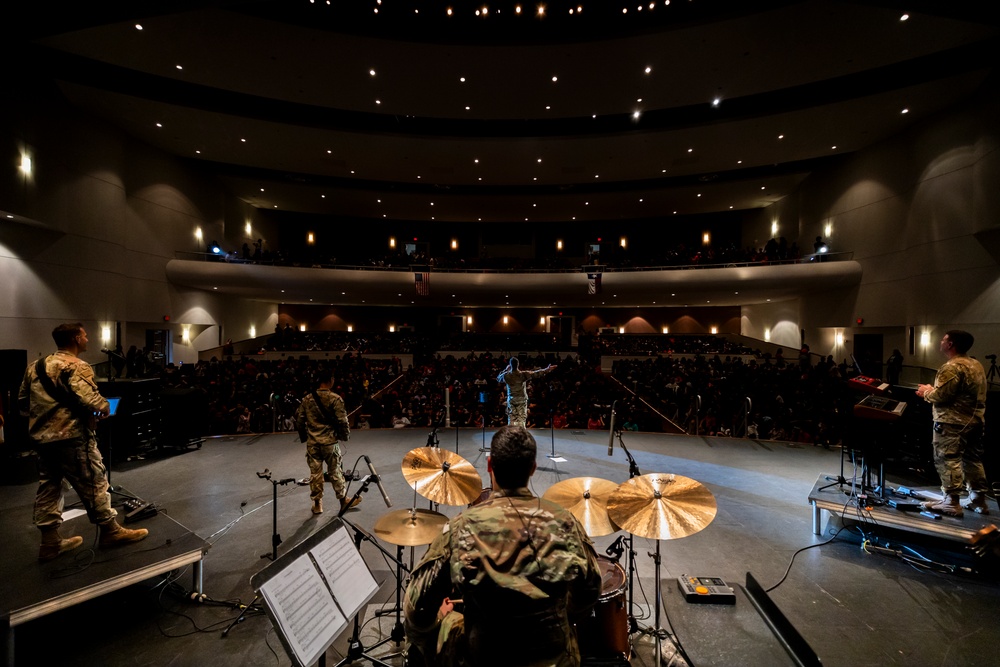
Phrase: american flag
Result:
[593,283]
[422,281]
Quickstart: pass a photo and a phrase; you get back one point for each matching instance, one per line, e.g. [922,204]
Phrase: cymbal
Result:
[587,499]
[410,527]
[442,476]
[662,506]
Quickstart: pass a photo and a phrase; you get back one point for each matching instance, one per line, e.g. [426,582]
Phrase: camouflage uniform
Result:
[321,444]
[517,393]
[958,403]
[521,565]
[65,441]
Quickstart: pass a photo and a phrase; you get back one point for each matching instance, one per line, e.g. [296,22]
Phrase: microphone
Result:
[611,431]
[378,481]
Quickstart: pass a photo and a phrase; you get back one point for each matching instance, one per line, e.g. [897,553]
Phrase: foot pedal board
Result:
[137,509]
[706,590]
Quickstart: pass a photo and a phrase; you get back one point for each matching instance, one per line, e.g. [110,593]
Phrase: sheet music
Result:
[305,610]
[345,570]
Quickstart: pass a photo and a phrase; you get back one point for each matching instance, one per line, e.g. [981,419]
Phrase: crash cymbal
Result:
[587,499]
[442,476]
[410,527]
[662,506]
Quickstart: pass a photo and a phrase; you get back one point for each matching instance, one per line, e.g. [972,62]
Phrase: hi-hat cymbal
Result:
[410,527]
[442,476]
[587,499]
[662,506]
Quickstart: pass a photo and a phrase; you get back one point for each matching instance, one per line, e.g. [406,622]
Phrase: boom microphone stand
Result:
[275,537]
[633,471]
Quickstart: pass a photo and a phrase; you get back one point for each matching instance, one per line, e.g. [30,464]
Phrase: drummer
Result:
[520,564]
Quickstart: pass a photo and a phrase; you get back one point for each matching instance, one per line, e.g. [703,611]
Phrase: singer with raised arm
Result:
[519,566]
[324,418]
[517,390]
[62,402]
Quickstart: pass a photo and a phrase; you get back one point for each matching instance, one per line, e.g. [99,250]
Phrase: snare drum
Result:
[487,492]
[603,633]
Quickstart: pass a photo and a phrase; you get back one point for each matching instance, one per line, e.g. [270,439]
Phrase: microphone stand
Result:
[275,537]
[633,471]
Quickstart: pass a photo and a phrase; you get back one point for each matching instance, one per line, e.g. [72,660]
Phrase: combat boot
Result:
[113,535]
[318,506]
[948,505]
[345,500]
[977,503]
[53,544]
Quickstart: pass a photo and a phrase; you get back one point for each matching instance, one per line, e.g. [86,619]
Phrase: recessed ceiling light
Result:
[378,101]
[243,140]
[198,152]
[262,189]
[635,114]
[371,72]
[466,108]
[322,196]
[648,70]
[159,125]
[449,11]
[476,160]
[904,17]
[547,107]
[179,66]
[833,148]
[554,79]
[781,136]
[762,187]
[329,152]
[715,102]
[138,26]
[639,100]
[905,111]
[739,162]
[690,150]
[462,79]
[730,207]
[699,194]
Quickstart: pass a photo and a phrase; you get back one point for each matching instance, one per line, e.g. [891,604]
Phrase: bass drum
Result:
[603,633]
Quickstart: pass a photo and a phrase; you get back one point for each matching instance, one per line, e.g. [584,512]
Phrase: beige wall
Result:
[93,228]
[919,212]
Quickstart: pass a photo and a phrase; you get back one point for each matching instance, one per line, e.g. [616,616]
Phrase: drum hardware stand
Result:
[552,434]
[993,374]
[633,471]
[355,649]
[365,481]
[275,537]
[398,633]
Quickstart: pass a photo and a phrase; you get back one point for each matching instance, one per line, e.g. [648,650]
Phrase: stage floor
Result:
[854,608]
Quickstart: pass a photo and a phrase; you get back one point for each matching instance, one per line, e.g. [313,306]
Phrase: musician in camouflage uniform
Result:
[958,402]
[61,422]
[520,564]
[517,390]
[323,439]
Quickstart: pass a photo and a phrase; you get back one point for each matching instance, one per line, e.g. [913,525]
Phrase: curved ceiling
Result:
[409,113]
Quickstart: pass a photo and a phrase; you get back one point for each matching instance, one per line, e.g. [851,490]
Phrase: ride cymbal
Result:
[662,506]
[410,527]
[442,476]
[587,499]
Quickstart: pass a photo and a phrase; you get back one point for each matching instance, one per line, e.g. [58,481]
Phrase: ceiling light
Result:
[371,72]
[833,148]
[781,136]
[547,107]
[461,79]
[179,66]
[541,10]
[635,115]
[159,125]
[138,26]
[378,101]
[904,17]
[739,162]
[517,10]
[467,108]
[243,140]
[554,79]
[715,102]
[905,111]
[690,150]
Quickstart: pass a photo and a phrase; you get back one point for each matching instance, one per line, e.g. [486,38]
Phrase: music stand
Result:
[311,591]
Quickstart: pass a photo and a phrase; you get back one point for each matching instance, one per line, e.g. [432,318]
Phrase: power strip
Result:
[137,509]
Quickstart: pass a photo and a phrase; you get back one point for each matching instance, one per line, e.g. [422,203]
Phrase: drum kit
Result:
[657,506]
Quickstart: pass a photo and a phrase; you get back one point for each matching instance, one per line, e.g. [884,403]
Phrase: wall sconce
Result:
[828,229]
[392,242]
[714,330]
[506,319]
[253,331]
[302,327]
[106,335]
[767,335]
[706,238]
[839,339]
[198,234]
[541,320]
[25,164]
[559,244]
[248,228]
[454,244]
[350,328]
[392,328]
[186,335]
[666,330]
[621,329]
[925,339]
[468,320]
[623,242]
[774,228]
[310,238]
